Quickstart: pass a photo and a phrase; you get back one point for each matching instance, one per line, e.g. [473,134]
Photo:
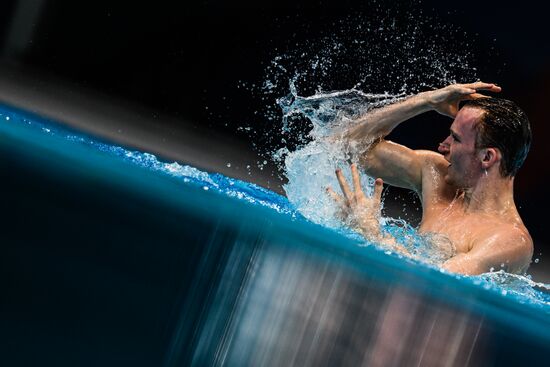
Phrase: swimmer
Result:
[466,188]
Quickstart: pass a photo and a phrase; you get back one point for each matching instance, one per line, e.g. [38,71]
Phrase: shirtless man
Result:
[466,188]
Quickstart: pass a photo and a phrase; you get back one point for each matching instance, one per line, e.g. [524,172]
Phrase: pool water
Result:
[111,255]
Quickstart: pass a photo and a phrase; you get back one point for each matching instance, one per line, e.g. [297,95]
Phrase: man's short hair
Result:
[506,127]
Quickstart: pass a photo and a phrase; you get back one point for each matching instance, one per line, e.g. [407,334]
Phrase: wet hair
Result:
[506,127]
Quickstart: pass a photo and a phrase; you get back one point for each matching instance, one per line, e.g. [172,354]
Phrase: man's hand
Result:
[446,100]
[360,212]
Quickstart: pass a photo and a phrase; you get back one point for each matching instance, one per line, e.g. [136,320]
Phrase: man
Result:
[466,188]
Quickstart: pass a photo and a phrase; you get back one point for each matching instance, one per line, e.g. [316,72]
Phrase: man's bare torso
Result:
[444,212]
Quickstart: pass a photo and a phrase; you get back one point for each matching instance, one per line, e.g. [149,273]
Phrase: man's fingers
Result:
[483,86]
[467,91]
[337,198]
[344,185]
[478,95]
[378,186]
[479,85]
[356,179]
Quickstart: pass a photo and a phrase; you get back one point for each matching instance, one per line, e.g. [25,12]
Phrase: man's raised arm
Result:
[394,163]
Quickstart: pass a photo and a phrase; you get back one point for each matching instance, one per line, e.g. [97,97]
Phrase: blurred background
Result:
[186,81]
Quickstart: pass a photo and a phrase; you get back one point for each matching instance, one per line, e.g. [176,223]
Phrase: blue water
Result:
[510,296]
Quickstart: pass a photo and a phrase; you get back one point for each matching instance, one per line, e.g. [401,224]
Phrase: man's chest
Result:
[462,230]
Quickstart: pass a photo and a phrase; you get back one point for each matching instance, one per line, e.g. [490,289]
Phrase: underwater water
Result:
[227,258]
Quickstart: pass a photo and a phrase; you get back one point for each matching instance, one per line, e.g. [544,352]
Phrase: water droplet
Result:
[536,261]
[228,165]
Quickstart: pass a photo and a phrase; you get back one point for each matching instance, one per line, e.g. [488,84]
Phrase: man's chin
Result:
[453,182]
[449,180]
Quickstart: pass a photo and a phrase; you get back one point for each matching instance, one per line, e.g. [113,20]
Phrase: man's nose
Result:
[443,148]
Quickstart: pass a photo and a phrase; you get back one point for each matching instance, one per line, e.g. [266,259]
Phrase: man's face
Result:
[460,151]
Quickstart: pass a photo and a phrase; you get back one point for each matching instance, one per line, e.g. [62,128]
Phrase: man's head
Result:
[486,132]
[505,126]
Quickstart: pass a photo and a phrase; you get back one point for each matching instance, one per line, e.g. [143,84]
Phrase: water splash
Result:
[310,169]
[518,287]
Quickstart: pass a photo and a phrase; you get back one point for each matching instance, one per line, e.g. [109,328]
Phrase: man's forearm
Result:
[380,122]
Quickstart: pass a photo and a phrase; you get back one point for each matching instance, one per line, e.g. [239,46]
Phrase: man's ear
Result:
[490,157]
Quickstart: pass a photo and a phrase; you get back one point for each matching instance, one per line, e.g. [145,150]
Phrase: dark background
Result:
[201,64]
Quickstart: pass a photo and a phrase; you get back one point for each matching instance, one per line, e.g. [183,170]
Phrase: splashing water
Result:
[517,286]
[310,169]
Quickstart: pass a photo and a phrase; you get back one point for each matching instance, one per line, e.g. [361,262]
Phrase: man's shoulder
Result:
[514,232]
[506,234]
[509,245]
[433,163]
[434,187]
[430,158]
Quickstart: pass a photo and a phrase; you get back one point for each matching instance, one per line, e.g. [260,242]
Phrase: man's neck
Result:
[491,194]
